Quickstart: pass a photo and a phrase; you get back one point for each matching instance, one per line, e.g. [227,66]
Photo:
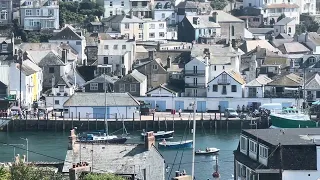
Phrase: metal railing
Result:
[195,73]
[203,85]
[224,81]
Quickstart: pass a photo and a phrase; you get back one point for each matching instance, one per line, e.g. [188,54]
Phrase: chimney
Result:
[206,60]
[78,169]
[215,17]
[64,56]
[131,14]
[168,62]
[72,140]
[149,140]
[151,55]
[247,23]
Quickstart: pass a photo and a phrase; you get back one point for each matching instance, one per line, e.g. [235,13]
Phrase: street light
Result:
[14,148]
[26,139]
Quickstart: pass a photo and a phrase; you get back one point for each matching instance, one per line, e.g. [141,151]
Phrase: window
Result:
[50,12]
[115,46]
[122,3]
[263,151]
[318,94]
[28,3]
[232,30]
[289,30]
[151,35]
[161,34]
[124,47]
[223,67]
[252,146]
[126,26]
[161,25]
[154,78]
[173,15]
[249,4]
[56,102]
[123,13]
[140,35]
[122,87]
[78,43]
[4,15]
[122,59]
[134,3]
[50,24]
[61,88]
[243,144]
[105,60]
[28,12]
[155,67]
[151,26]
[93,86]
[163,15]
[215,67]
[214,88]
[144,3]
[110,4]
[38,12]
[234,88]
[224,89]
[140,25]
[4,47]
[111,13]
[132,88]
[51,70]
[106,46]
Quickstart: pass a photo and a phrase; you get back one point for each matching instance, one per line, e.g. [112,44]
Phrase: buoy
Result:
[216,175]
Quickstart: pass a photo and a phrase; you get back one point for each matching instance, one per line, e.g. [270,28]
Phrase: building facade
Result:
[116,7]
[164,10]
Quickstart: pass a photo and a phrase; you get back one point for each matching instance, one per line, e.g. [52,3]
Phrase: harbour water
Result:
[51,146]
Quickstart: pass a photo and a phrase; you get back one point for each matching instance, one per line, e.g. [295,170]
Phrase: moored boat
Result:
[208,151]
[160,134]
[104,138]
[292,118]
[175,145]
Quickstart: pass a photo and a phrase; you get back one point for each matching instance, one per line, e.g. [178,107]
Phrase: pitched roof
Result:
[98,99]
[289,80]
[235,75]
[102,79]
[29,67]
[137,75]
[163,86]
[283,36]
[293,47]
[63,81]
[214,49]
[51,59]
[313,83]
[282,5]
[226,17]
[284,21]
[278,42]
[203,22]
[314,37]
[259,81]
[123,19]
[188,5]
[261,30]
[249,45]
[66,33]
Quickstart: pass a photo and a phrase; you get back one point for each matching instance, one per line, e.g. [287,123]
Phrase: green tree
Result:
[30,172]
[92,176]
[4,174]
[218,4]
[281,17]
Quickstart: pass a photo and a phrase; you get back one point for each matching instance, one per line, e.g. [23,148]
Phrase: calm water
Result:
[50,146]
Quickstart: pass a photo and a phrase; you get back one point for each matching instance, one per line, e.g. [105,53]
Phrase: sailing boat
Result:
[104,137]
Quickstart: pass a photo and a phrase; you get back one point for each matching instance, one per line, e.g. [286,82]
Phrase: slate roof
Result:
[102,79]
[116,158]
[313,83]
[204,22]
[249,45]
[235,75]
[29,67]
[293,47]
[278,42]
[123,19]
[188,5]
[67,33]
[163,86]
[214,49]
[259,81]
[63,81]
[261,30]
[314,37]
[51,59]
[289,80]
[98,99]
[283,36]
[284,21]
[226,17]
[137,75]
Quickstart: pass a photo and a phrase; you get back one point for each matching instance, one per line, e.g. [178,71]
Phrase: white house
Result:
[272,9]
[116,7]
[255,88]
[164,10]
[286,25]
[227,84]
[59,94]
[307,6]
[161,91]
[39,15]
[154,30]
[196,77]
[74,38]
[92,105]
[115,56]
[31,82]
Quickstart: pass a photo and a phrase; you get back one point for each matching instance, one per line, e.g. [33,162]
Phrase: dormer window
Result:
[50,12]
[312,60]
[28,3]
[4,47]
[61,88]
[159,6]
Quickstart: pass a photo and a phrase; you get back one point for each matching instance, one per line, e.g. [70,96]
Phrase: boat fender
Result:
[216,175]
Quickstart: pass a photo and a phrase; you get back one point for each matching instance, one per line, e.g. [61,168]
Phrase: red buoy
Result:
[216,175]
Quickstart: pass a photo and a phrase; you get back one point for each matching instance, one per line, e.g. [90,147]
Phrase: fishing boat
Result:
[175,145]
[291,118]
[208,151]
[160,134]
[104,138]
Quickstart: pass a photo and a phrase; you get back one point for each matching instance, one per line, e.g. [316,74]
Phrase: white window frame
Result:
[133,87]
[122,87]
[152,33]
[245,145]
[94,86]
[38,12]
[5,15]
[140,25]
[154,67]
[126,25]
[50,12]
[161,26]
[261,153]
[152,26]
[55,102]
[122,3]
[28,12]
[106,46]
[61,88]
[161,34]
[4,47]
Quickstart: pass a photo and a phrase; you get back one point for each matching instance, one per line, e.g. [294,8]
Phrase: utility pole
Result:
[26,139]
[194,139]
[20,59]
[280,164]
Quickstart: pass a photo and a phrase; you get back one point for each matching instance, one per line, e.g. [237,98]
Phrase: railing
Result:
[223,81]
[283,95]
[195,95]
[195,73]
[252,95]
[195,85]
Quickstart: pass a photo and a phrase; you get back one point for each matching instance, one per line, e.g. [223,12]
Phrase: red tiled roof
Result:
[283,5]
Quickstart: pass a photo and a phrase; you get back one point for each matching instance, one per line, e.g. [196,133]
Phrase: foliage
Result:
[75,12]
[4,174]
[92,176]
[272,21]
[218,4]
[308,25]
[281,17]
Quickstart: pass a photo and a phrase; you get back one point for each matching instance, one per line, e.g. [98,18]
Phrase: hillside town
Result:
[109,59]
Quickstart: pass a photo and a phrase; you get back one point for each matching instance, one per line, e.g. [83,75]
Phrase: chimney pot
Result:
[149,140]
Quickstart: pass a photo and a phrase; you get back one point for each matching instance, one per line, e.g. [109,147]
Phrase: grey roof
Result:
[63,80]
[29,67]
[102,79]
[259,81]
[66,33]
[313,83]
[283,36]
[261,30]
[123,19]
[204,22]
[116,158]
[293,47]
[214,49]
[278,42]
[314,37]
[98,99]
[226,17]
[51,59]
[136,75]
[284,21]
[294,136]
[188,5]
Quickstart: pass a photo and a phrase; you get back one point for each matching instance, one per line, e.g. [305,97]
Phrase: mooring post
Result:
[88,124]
[55,121]
[96,123]
[133,124]
[227,121]
[146,126]
[153,125]
[117,120]
[241,123]
[165,123]
[38,121]
[26,115]
[140,121]
[79,116]
[158,124]
[173,122]
[72,120]
[63,123]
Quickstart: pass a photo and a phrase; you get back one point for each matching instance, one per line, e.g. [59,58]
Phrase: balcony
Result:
[293,94]
[195,73]
[195,85]
[224,82]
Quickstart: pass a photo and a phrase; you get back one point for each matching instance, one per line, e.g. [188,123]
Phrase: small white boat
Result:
[175,145]
[207,151]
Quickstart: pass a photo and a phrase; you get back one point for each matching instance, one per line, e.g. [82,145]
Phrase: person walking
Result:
[180,112]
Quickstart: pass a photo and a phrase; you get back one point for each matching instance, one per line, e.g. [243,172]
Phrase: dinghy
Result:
[175,145]
[208,151]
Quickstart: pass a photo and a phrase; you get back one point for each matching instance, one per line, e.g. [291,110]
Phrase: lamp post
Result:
[20,66]
[26,139]
[14,148]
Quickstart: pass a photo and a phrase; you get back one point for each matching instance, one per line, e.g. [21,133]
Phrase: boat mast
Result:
[193,139]
[105,103]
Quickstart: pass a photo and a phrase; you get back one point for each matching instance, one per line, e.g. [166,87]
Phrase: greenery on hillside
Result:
[218,4]
[101,177]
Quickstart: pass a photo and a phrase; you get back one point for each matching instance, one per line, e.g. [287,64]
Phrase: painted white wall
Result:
[210,93]
[50,100]
[159,27]
[285,29]
[143,88]
[162,14]
[79,48]
[160,92]
[117,8]
[260,91]
[307,6]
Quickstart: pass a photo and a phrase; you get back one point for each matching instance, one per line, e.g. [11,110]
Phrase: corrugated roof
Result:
[98,99]
[259,81]
[284,21]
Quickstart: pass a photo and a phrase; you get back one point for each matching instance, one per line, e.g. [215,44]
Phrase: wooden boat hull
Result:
[283,122]
[175,145]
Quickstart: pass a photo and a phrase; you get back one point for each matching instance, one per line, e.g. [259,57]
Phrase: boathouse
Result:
[100,105]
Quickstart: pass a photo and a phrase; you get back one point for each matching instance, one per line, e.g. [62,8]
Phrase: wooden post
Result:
[26,120]
[63,123]
[133,125]
[153,125]
[88,124]
[55,121]
[140,120]
[72,120]
[96,123]
[116,121]
[38,120]
[173,122]
[210,123]
[227,121]
[158,124]
[146,126]
[165,123]
[241,124]
[79,116]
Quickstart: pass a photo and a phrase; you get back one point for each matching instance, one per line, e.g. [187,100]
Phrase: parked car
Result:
[231,113]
